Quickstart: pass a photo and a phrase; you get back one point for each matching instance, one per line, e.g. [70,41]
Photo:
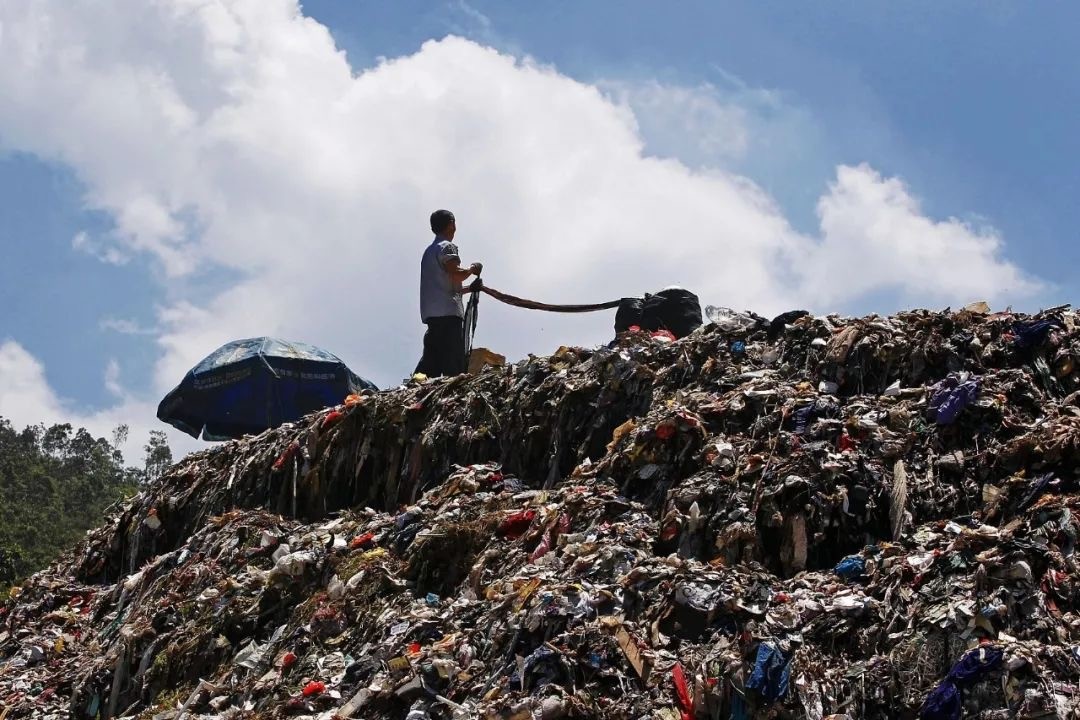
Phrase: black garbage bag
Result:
[628,314]
[672,309]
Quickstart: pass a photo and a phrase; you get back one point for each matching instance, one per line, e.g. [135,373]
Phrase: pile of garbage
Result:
[802,517]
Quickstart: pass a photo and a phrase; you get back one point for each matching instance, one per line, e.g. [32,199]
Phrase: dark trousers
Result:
[444,347]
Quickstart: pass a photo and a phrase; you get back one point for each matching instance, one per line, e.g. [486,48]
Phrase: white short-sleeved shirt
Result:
[440,296]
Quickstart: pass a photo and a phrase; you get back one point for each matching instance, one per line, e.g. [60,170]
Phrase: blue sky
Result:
[971,106]
[975,104]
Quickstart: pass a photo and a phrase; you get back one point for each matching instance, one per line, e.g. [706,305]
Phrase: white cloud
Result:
[482,20]
[112,379]
[106,253]
[26,398]
[697,124]
[876,239]
[24,391]
[755,132]
[124,326]
[233,134]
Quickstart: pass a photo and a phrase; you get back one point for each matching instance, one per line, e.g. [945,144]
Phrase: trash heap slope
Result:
[803,518]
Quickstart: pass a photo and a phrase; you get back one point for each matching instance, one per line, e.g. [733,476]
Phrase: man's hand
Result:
[476,268]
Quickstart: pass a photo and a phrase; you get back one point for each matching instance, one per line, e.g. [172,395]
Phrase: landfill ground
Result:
[805,518]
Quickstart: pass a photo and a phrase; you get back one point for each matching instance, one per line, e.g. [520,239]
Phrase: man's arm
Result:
[452,265]
[453,268]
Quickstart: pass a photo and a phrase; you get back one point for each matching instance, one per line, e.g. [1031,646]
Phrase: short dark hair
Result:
[440,220]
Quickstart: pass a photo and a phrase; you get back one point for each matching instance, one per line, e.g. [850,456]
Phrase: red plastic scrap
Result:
[846,443]
[563,525]
[665,430]
[315,687]
[288,660]
[361,540]
[690,419]
[325,612]
[331,418]
[290,452]
[682,692]
[1050,585]
[670,531]
[515,526]
[552,534]
[543,548]
[81,602]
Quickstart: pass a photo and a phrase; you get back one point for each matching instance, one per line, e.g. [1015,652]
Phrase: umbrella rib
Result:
[269,366]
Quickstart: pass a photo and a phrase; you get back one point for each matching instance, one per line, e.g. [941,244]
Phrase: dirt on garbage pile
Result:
[808,517]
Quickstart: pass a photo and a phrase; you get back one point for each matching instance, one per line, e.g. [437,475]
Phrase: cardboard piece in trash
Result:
[481,358]
[641,664]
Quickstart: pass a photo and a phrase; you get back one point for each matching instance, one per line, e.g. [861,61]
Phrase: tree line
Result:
[56,483]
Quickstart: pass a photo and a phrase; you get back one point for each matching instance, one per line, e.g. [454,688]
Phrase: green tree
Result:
[158,456]
[55,484]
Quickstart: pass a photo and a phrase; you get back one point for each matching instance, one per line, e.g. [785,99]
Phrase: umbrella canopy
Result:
[247,386]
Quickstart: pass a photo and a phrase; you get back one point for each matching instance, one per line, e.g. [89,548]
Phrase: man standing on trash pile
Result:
[441,309]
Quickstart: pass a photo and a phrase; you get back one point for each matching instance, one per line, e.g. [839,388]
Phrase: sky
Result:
[175,174]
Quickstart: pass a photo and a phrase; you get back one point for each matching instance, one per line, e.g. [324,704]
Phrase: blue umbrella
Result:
[247,386]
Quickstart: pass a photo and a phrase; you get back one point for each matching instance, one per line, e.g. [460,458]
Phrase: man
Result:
[441,309]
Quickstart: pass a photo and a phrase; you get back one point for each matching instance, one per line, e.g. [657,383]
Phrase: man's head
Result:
[443,224]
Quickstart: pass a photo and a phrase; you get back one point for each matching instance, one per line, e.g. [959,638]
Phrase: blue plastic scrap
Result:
[1032,333]
[738,708]
[803,416]
[541,668]
[772,671]
[946,701]
[943,703]
[851,567]
[975,664]
[951,396]
[1038,486]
